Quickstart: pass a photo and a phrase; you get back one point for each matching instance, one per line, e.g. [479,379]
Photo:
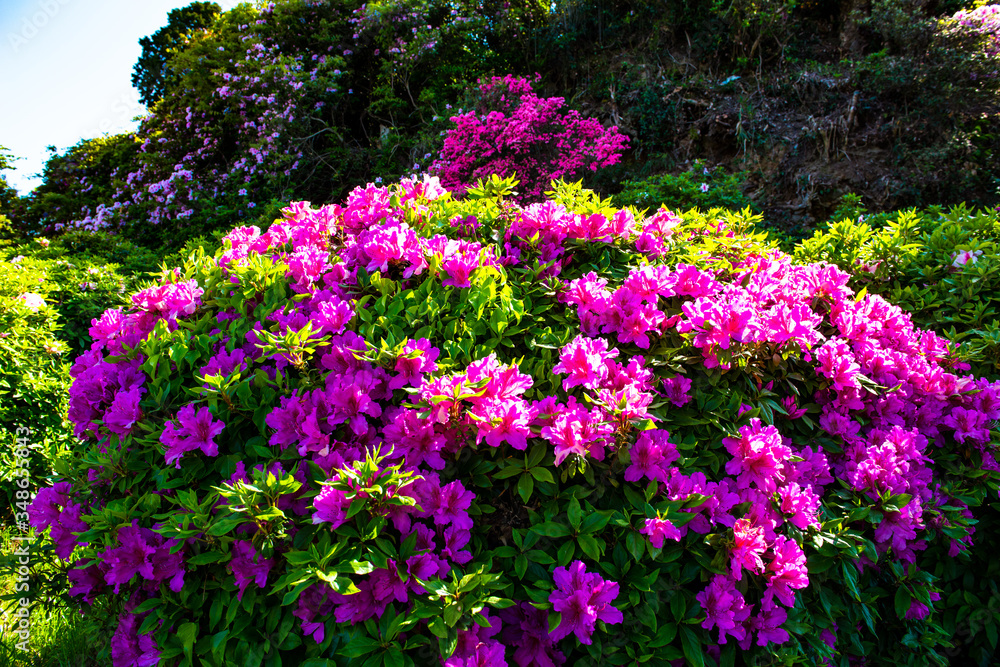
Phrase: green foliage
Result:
[914,262]
[60,635]
[83,274]
[34,378]
[938,73]
[737,33]
[687,189]
[7,194]
[152,75]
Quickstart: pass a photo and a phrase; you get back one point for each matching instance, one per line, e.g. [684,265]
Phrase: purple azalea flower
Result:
[582,599]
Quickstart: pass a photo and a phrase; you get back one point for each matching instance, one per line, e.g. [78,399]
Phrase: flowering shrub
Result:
[981,24]
[941,268]
[34,379]
[81,278]
[514,132]
[407,430]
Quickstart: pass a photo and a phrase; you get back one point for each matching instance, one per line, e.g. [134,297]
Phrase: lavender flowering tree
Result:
[410,429]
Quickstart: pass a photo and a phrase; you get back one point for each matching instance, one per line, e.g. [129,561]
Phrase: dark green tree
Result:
[7,193]
[151,74]
[75,184]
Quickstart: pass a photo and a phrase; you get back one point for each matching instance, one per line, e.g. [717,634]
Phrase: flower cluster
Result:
[515,132]
[582,599]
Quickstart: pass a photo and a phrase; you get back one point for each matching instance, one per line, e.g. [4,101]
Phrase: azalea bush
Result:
[513,131]
[941,267]
[410,429]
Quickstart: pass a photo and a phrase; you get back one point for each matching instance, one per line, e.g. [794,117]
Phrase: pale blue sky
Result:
[66,72]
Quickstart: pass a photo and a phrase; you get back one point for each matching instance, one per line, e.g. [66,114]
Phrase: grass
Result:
[61,636]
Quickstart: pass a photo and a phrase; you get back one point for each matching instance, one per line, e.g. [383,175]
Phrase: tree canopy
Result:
[151,73]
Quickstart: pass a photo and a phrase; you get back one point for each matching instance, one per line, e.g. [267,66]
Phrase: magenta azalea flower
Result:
[660,529]
[124,411]
[247,565]
[129,648]
[725,608]
[651,456]
[748,547]
[197,430]
[786,571]
[584,360]
[582,599]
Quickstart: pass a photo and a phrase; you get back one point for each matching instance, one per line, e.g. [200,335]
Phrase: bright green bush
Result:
[943,267]
[34,378]
[82,277]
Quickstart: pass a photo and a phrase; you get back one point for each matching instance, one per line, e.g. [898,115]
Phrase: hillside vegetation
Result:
[893,101]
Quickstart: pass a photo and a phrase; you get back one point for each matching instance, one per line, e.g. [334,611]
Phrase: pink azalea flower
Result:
[748,547]
[660,529]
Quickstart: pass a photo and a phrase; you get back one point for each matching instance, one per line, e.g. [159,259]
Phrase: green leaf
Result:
[525,486]
[851,577]
[151,603]
[693,650]
[447,644]
[902,601]
[215,613]
[551,529]
[521,566]
[536,456]
[565,554]
[645,614]
[595,521]
[219,640]
[664,635]
[224,526]
[636,545]
[509,471]
[575,513]
[187,634]
[205,558]
[438,628]
[359,646]
[555,618]
[452,613]
[590,546]
[543,475]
